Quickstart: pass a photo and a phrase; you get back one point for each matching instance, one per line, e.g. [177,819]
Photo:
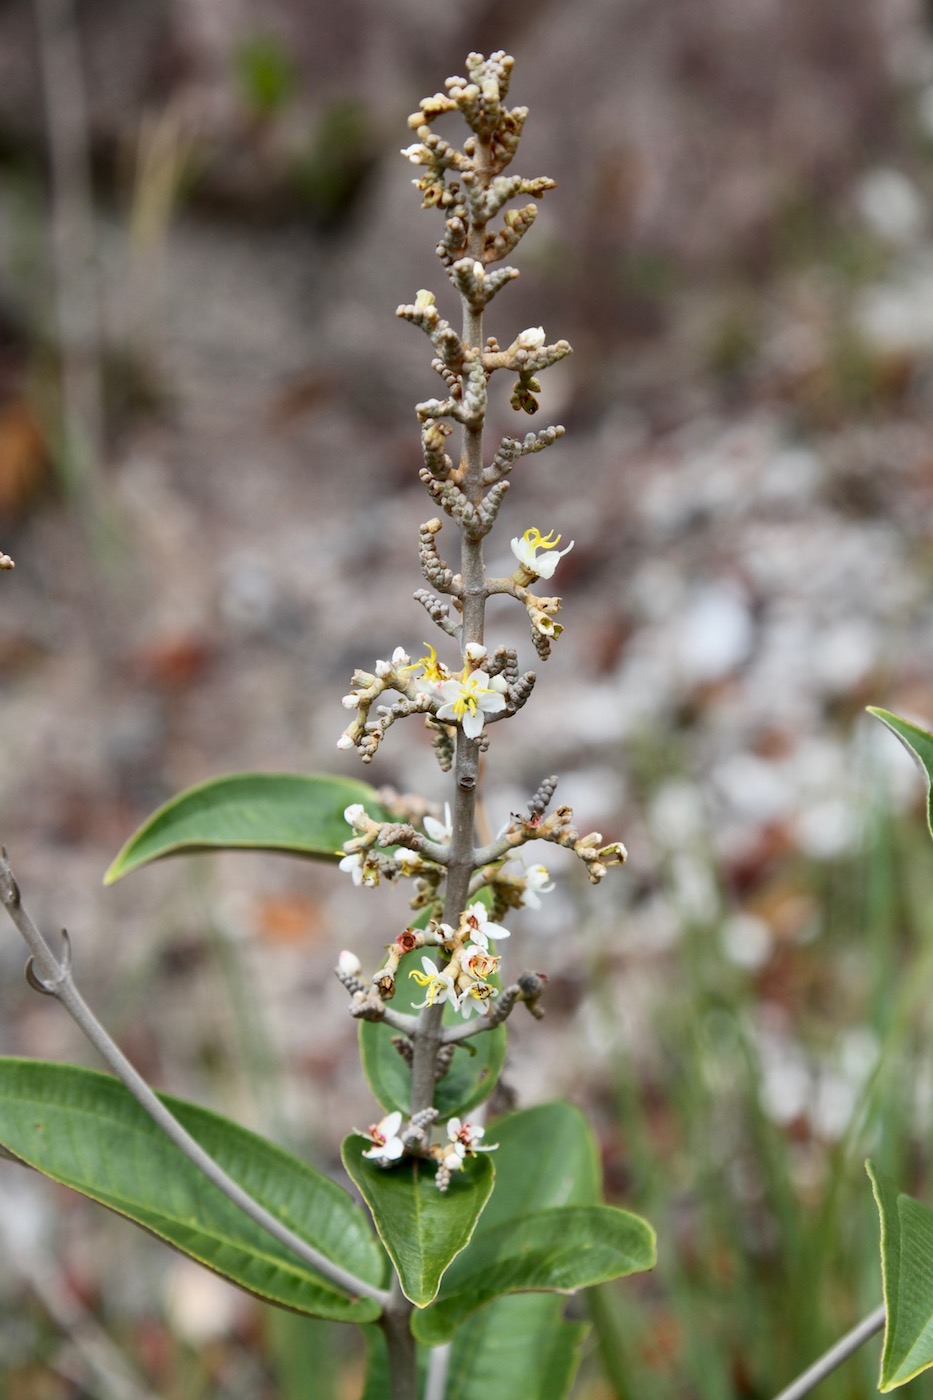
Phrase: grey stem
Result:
[828,1362]
[461,856]
[438,1365]
[57,980]
[403,1361]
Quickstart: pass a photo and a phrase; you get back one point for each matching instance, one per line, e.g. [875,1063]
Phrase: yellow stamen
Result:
[434,670]
[535,538]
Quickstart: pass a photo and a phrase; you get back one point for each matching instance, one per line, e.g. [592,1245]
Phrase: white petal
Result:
[472,723]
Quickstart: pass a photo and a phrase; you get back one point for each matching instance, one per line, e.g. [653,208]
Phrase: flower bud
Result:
[348,964]
[531,339]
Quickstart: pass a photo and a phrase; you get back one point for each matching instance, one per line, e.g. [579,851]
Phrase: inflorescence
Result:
[461,698]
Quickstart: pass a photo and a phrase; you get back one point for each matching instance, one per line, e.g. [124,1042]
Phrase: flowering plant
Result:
[461,1224]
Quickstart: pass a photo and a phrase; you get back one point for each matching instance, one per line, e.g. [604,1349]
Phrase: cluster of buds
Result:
[558,828]
[5,561]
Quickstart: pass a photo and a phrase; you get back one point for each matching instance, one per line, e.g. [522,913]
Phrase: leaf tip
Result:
[115,870]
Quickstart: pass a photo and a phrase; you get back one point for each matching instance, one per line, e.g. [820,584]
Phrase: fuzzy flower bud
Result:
[348,964]
[531,339]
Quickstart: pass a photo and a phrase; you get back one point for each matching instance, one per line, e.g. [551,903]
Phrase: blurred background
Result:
[208,481]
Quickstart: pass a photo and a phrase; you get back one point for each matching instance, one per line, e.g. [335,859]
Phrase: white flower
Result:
[387,1145]
[477,962]
[433,672]
[439,831]
[475,651]
[476,997]
[531,339]
[481,927]
[469,698]
[362,874]
[345,742]
[353,865]
[537,883]
[351,701]
[409,862]
[526,551]
[348,964]
[355,815]
[417,153]
[465,1142]
[439,985]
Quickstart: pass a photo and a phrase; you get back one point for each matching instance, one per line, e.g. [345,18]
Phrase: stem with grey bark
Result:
[461,860]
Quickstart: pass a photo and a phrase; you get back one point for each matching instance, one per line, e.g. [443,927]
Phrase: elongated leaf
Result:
[918,743]
[518,1348]
[83,1129]
[552,1250]
[294,813]
[907,1274]
[422,1229]
[546,1156]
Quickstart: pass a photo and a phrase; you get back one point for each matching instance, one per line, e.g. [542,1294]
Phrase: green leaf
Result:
[907,1274]
[547,1156]
[470,1079]
[293,813]
[83,1129]
[918,743]
[422,1228]
[518,1348]
[557,1251]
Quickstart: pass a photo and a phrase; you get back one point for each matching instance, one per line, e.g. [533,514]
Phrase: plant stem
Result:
[838,1353]
[461,860]
[403,1359]
[55,978]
